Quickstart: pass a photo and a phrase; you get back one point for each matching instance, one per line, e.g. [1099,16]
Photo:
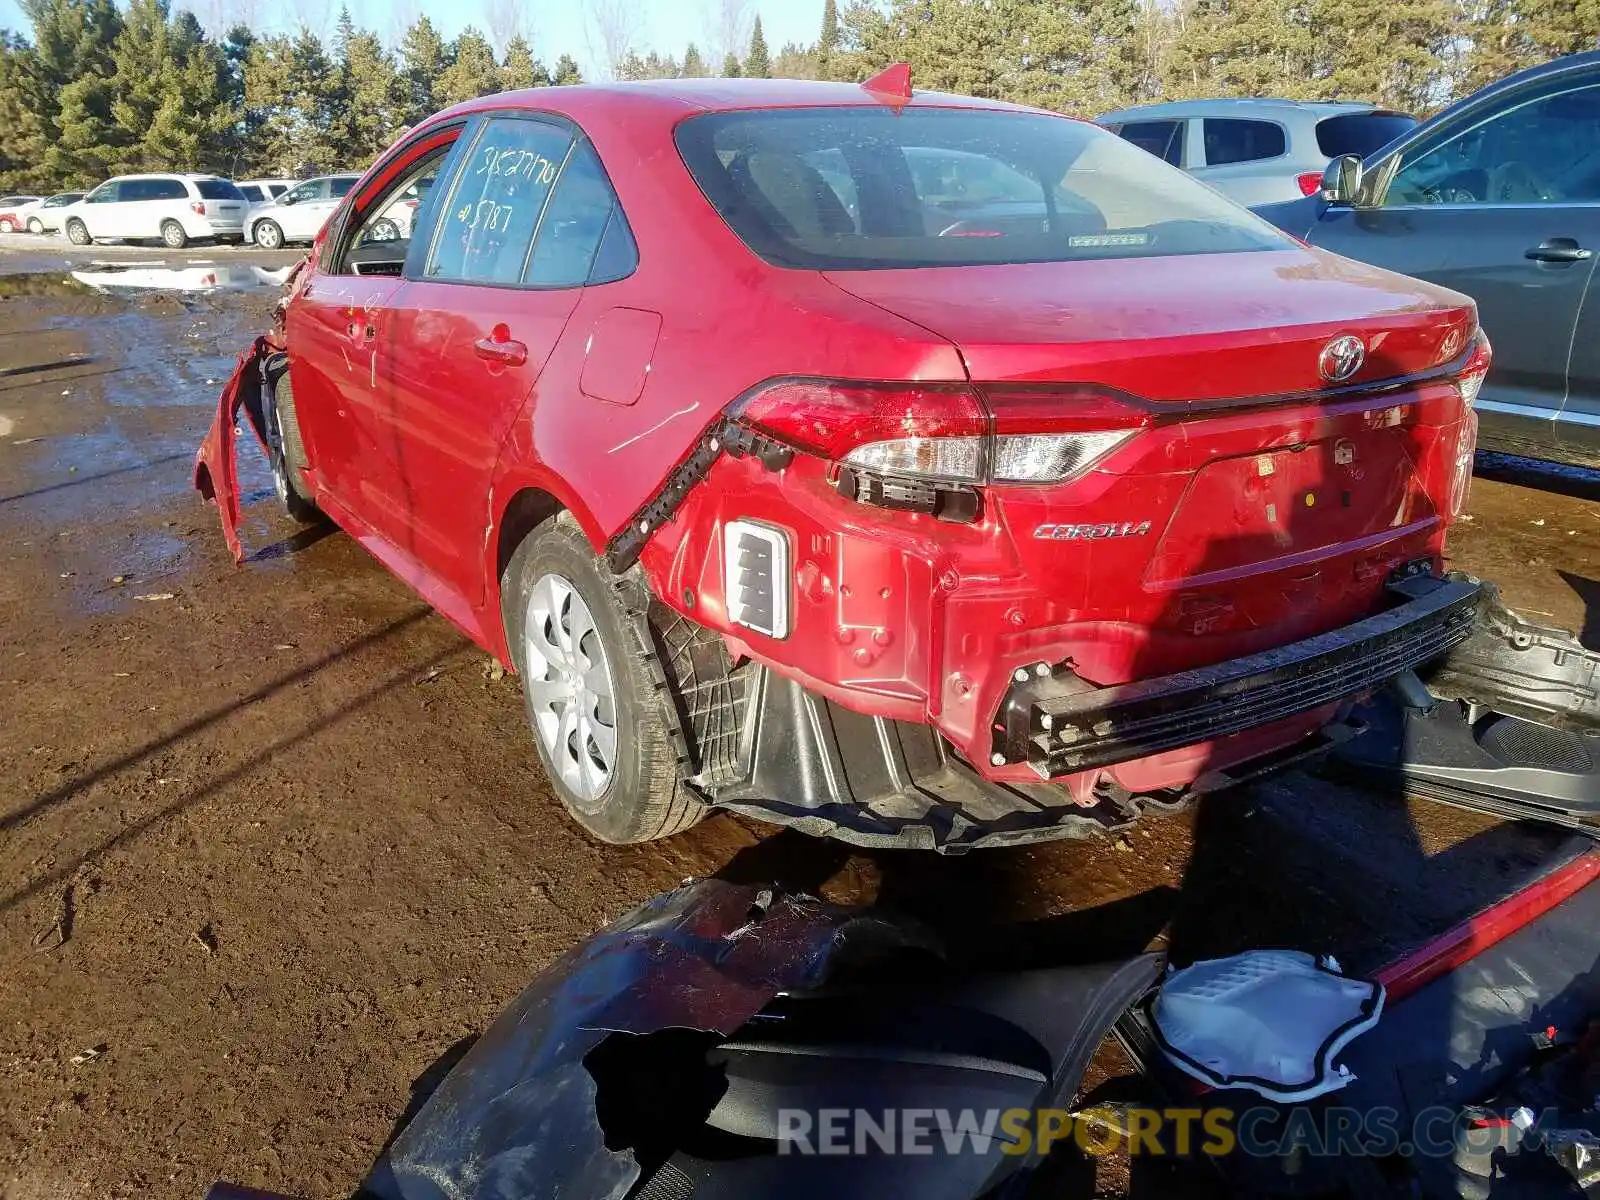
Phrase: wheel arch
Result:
[520,507]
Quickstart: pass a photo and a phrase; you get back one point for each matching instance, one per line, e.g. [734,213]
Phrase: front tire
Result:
[595,694]
[173,235]
[35,226]
[78,233]
[268,235]
[287,456]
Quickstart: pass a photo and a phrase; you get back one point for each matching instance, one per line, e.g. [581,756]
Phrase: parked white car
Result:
[1257,151]
[300,213]
[45,217]
[263,191]
[14,212]
[175,208]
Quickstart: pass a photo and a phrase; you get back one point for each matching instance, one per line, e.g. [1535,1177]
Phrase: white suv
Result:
[300,213]
[174,208]
[1257,151]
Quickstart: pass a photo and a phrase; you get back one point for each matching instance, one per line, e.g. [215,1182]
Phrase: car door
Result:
[512,241]
[1501,202]
[302,212]
[98,212]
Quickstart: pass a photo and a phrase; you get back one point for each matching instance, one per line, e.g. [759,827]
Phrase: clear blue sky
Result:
[555,27]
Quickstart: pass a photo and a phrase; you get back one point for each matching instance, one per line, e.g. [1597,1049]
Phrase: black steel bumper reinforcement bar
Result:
[1058,725]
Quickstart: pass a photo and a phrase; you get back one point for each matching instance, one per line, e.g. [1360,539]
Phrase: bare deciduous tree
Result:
[727,28]
[507,19]
[612,31]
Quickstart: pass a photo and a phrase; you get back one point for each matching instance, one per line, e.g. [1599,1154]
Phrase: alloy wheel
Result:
[570,689]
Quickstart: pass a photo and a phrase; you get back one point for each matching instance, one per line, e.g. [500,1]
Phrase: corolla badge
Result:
[1342,358]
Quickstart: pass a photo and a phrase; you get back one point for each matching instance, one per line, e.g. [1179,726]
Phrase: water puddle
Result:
[195,277]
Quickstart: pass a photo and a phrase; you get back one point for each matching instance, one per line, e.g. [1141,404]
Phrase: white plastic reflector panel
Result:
[1267,1020]
[756,577]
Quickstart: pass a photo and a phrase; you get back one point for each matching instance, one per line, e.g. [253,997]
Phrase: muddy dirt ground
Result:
[272,838]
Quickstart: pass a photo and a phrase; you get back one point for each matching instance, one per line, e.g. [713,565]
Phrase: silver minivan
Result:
[1257,151]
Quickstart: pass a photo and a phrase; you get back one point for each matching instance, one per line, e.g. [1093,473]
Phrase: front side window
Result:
[387,219]
[950,187]
[486,227]
[1164,139]
[104,194]
[1229,140]
[1542,150]
[315,189]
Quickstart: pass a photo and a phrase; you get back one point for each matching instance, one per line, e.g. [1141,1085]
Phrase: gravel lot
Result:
[272,838]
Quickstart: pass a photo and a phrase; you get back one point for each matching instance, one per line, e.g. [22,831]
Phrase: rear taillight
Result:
[946,432]
[198,206]
[1470,380]
[1310,182]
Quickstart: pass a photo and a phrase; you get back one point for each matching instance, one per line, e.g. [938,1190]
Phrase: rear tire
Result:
[268,235]
[173,236]
[595,694]
[78,233]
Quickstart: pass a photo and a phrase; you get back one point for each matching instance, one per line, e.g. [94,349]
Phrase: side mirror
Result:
[1341,182]
[288,198]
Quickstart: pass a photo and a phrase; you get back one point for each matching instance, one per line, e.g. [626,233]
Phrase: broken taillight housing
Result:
[1470,381]
[946,432]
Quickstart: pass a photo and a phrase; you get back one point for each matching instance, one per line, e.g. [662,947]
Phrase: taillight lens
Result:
[834,419]
[198,206]
[1310,182]
[947,432]
[1470,381]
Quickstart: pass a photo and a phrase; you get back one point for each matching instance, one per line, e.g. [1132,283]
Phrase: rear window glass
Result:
[1360,133]
[1229,140]
[843,188]
[217,189]
[1164,139]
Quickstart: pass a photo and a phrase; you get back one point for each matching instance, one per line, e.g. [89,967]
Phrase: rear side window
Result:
[863,188]
[252,192]
[340,188]
[166,189]
[1361,133]
[486,229]
[1164,139]
[1229,140]
[217,189]
[569,237]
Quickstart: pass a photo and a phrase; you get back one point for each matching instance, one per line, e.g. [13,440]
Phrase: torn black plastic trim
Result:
[725,437]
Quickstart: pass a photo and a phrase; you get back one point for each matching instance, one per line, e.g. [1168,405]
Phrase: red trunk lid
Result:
[1192,327]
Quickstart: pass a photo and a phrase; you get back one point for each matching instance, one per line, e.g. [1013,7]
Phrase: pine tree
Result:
[520,69]
[566,71]
[758,63]
[694,67]
[795,61]
[730,66]
[369,96]
[472,72]
[828,39]
[289,85]
[425,58]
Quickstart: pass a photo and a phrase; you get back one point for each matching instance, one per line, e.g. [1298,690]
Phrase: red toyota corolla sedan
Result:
[918,470]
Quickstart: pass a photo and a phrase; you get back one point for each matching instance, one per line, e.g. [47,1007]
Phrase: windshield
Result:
[843,188]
